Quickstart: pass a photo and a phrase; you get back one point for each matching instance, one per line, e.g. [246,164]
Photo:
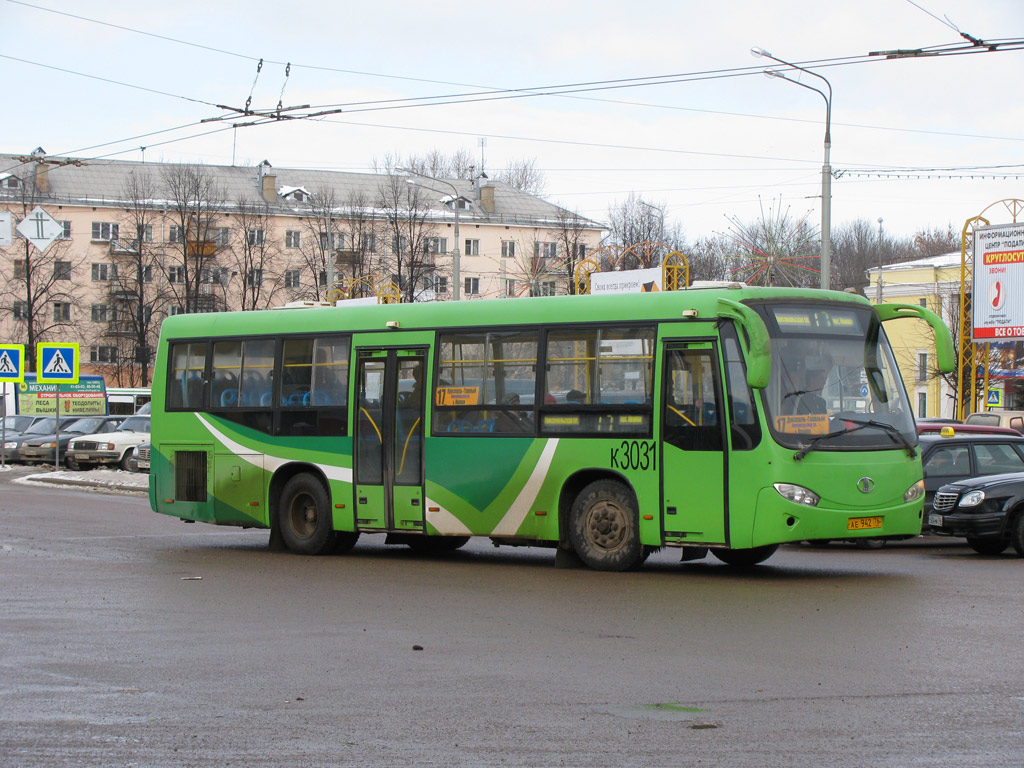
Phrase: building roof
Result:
[100,182]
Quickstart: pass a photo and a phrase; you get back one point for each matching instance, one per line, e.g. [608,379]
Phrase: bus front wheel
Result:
[751,556]
[604,528]
[305,516]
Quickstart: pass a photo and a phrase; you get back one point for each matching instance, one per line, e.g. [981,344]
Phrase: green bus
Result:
[727,419]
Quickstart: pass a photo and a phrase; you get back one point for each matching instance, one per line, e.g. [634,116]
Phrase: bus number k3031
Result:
[635,454]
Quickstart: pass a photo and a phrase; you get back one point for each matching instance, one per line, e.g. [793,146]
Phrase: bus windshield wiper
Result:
[889,429]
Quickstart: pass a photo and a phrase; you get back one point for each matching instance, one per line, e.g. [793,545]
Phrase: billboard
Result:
[998,306]
[628,281]
[86,398]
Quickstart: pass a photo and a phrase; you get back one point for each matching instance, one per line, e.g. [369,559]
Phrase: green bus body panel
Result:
[513,486]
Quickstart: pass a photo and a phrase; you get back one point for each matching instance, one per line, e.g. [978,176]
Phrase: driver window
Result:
[691,405]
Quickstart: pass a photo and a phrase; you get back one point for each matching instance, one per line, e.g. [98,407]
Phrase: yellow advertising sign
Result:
[458,395]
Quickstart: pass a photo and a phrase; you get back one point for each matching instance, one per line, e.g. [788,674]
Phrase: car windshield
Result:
[86,426]
[135,424]
[48,426]
[17,423]
[834,383]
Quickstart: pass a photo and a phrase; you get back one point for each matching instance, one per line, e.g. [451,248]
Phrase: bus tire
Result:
[436,544]
[604,527]
[304,516]
[751,556]
[987,545]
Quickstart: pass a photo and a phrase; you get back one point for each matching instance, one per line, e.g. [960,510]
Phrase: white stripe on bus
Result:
[520,508]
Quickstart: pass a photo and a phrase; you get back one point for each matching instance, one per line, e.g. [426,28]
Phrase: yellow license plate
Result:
[863,523]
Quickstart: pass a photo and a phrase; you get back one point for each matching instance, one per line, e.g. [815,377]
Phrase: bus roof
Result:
[521,311]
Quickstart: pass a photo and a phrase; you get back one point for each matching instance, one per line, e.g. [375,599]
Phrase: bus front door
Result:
[389,439]
[694,501]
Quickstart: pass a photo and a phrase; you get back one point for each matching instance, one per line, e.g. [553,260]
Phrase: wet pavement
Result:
[130,638]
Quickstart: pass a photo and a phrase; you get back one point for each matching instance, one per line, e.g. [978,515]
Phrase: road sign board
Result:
[12,362]
[57,363]
[40,228]
[995,398]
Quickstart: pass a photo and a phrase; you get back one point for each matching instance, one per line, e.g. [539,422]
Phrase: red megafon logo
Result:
[996,295]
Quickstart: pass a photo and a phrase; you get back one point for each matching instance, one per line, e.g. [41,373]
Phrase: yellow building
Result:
[934,283]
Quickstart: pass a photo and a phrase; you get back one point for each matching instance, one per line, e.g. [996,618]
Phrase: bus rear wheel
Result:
[751,556]
[304,516]
[604,527]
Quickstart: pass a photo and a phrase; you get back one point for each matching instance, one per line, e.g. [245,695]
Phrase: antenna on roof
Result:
[483,145]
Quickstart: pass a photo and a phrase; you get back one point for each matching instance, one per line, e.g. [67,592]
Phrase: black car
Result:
[988,511]
[967,454]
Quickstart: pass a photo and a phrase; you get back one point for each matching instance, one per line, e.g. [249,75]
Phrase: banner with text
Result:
[998,307]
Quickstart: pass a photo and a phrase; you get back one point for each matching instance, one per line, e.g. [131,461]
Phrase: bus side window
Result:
[691,413]
[744,427]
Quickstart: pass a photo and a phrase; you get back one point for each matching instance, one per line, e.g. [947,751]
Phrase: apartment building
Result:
[142,241]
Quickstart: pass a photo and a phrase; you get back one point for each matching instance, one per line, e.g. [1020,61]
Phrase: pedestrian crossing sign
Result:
[12,363]
[57,363]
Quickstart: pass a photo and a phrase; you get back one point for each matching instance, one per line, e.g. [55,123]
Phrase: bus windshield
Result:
[834,382]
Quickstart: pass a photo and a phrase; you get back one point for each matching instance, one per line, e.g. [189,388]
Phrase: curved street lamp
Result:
[826,169]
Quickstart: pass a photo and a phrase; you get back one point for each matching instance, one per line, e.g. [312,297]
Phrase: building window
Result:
[66,234]
[62,270]
[510,287]
[547,288]
[923,303]
[214,276]
[255,277]
[323,279]
[508,249]
[61,312]
[922,366]
[104,231]
[21,310]
[545,250]
[472,247]
[335,242]
[922,405]
[19,269]
[99,313]
[292,237]
[435,245]
[102,273]
[175,274]
[147,273]
[222,236]
[176,311]
[441,284]
[291,278]
[368,243]
[472,286]
[253,236]
[99,354]
[580,250]
[175,234]
[144,232]
[399,244]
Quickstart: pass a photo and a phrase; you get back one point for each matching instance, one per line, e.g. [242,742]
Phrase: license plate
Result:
[935,520]
[863,523]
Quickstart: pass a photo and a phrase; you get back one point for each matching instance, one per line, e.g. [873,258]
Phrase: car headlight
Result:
[972,499]
[798,494]
[914,492]
[10,446]
[47,445]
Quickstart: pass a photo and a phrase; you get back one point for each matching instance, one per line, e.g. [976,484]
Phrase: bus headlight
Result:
[972,499]
[798,494]
[914,492]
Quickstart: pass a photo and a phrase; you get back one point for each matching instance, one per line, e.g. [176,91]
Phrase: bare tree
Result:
[571,244]
[524,175]
[40,292]
[775,249]
[409,228]
[935,242]
[707,260]
[137,300]
[193,271]
[322,238]
[254,253]
[635,221]
[364,238]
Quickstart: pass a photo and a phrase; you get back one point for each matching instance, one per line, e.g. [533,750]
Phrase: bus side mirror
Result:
[944,354]
[755,341]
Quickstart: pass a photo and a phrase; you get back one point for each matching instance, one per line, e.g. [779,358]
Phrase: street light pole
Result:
[456,256]
[826,168]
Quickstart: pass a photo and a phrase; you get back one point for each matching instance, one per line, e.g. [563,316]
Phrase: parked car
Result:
[140,457]
[111,447]
[998,418]
[42,450]
[988,511]
[38,430]
[949,458]
[15,424]
[955,428]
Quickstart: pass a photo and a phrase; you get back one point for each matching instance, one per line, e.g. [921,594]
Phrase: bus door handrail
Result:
[757,344]
[944,354]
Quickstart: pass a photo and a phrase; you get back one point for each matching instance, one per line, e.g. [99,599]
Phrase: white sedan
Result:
[110,448]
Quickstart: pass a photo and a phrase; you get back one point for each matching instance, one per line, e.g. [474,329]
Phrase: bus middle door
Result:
[694,499]
[389,439]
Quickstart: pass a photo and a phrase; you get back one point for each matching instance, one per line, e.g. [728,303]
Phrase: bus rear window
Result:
[188,366]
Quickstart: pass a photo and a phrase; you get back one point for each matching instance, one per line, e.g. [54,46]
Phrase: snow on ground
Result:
[110,479]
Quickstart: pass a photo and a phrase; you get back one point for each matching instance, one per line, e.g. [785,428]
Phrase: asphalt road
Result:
[132,639]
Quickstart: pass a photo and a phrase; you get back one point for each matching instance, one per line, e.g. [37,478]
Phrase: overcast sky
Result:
[707,150]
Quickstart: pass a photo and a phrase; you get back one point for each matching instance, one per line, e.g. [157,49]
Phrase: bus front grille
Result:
[190,475]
